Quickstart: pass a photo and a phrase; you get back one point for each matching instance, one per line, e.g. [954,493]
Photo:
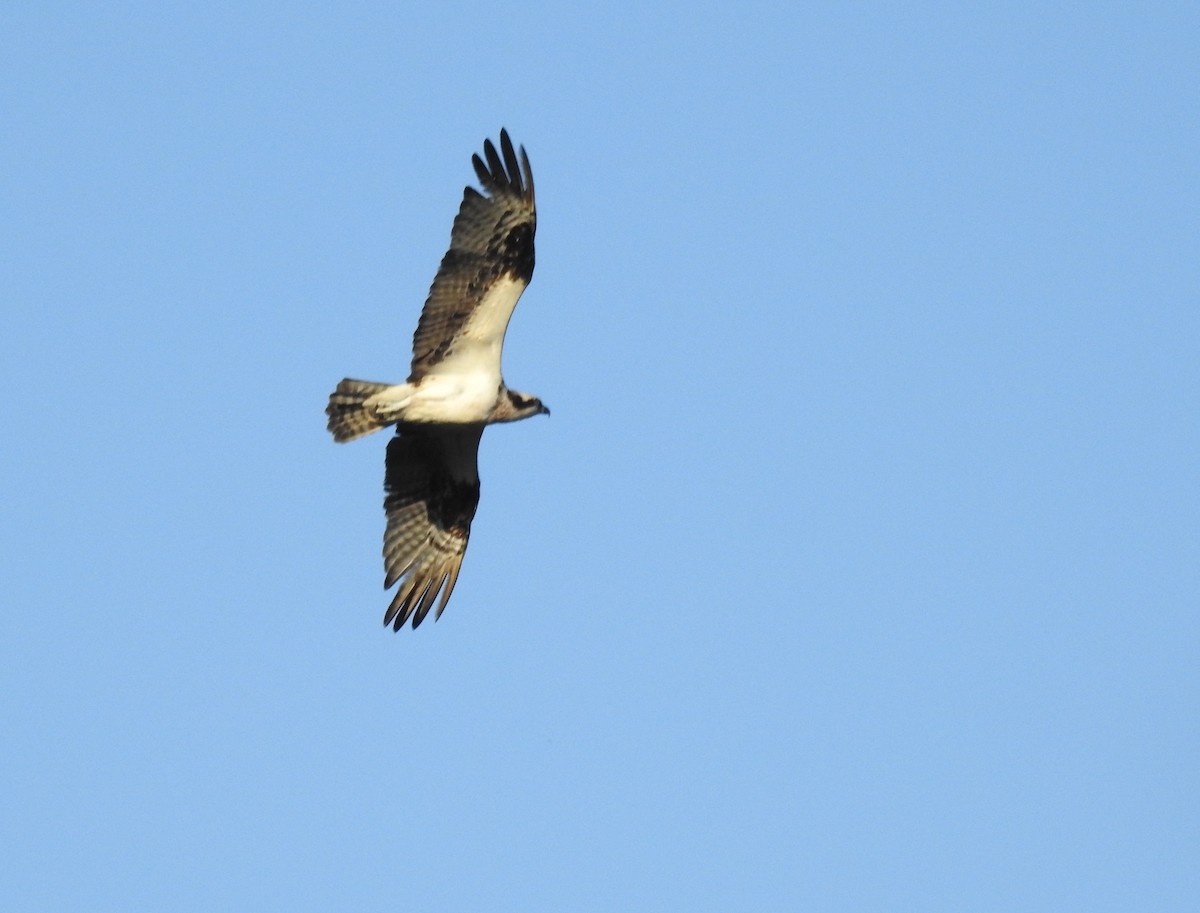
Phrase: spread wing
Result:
[488,265]
[432,490]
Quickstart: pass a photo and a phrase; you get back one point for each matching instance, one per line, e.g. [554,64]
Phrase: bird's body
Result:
[455,387]
[444,399]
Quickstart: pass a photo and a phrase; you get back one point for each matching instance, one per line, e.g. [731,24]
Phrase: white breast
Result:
[453,398]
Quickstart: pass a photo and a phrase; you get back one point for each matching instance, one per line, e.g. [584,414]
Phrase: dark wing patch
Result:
[492,237]
[432,490]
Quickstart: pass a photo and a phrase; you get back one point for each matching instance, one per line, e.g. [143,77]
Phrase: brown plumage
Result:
[492,238]
[432,485]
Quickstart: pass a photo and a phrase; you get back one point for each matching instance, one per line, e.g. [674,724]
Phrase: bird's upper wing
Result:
[432,490]
[488,265]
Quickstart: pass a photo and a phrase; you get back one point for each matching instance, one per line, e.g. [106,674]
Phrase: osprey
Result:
[454,389]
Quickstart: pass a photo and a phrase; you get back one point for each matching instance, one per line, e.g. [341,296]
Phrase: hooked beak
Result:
[545,410]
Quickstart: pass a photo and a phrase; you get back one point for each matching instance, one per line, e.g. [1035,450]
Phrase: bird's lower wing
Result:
[432,490]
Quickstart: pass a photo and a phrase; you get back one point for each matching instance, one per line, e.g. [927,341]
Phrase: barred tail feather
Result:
[347,417]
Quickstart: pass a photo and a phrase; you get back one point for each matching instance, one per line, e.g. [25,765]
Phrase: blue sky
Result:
[856,569]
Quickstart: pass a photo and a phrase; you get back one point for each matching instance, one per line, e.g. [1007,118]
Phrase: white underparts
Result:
[445,399]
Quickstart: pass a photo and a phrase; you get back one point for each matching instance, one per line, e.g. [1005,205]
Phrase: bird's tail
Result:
[348,419]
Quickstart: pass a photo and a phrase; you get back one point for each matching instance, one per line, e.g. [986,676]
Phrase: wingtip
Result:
[507,167]
[516,160]
[481,172]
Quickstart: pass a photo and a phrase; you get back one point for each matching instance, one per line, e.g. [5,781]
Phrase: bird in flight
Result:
[454,388]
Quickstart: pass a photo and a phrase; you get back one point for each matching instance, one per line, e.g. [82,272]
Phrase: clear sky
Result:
[857,568]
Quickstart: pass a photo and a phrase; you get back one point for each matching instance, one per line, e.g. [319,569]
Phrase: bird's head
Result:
[514,406]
